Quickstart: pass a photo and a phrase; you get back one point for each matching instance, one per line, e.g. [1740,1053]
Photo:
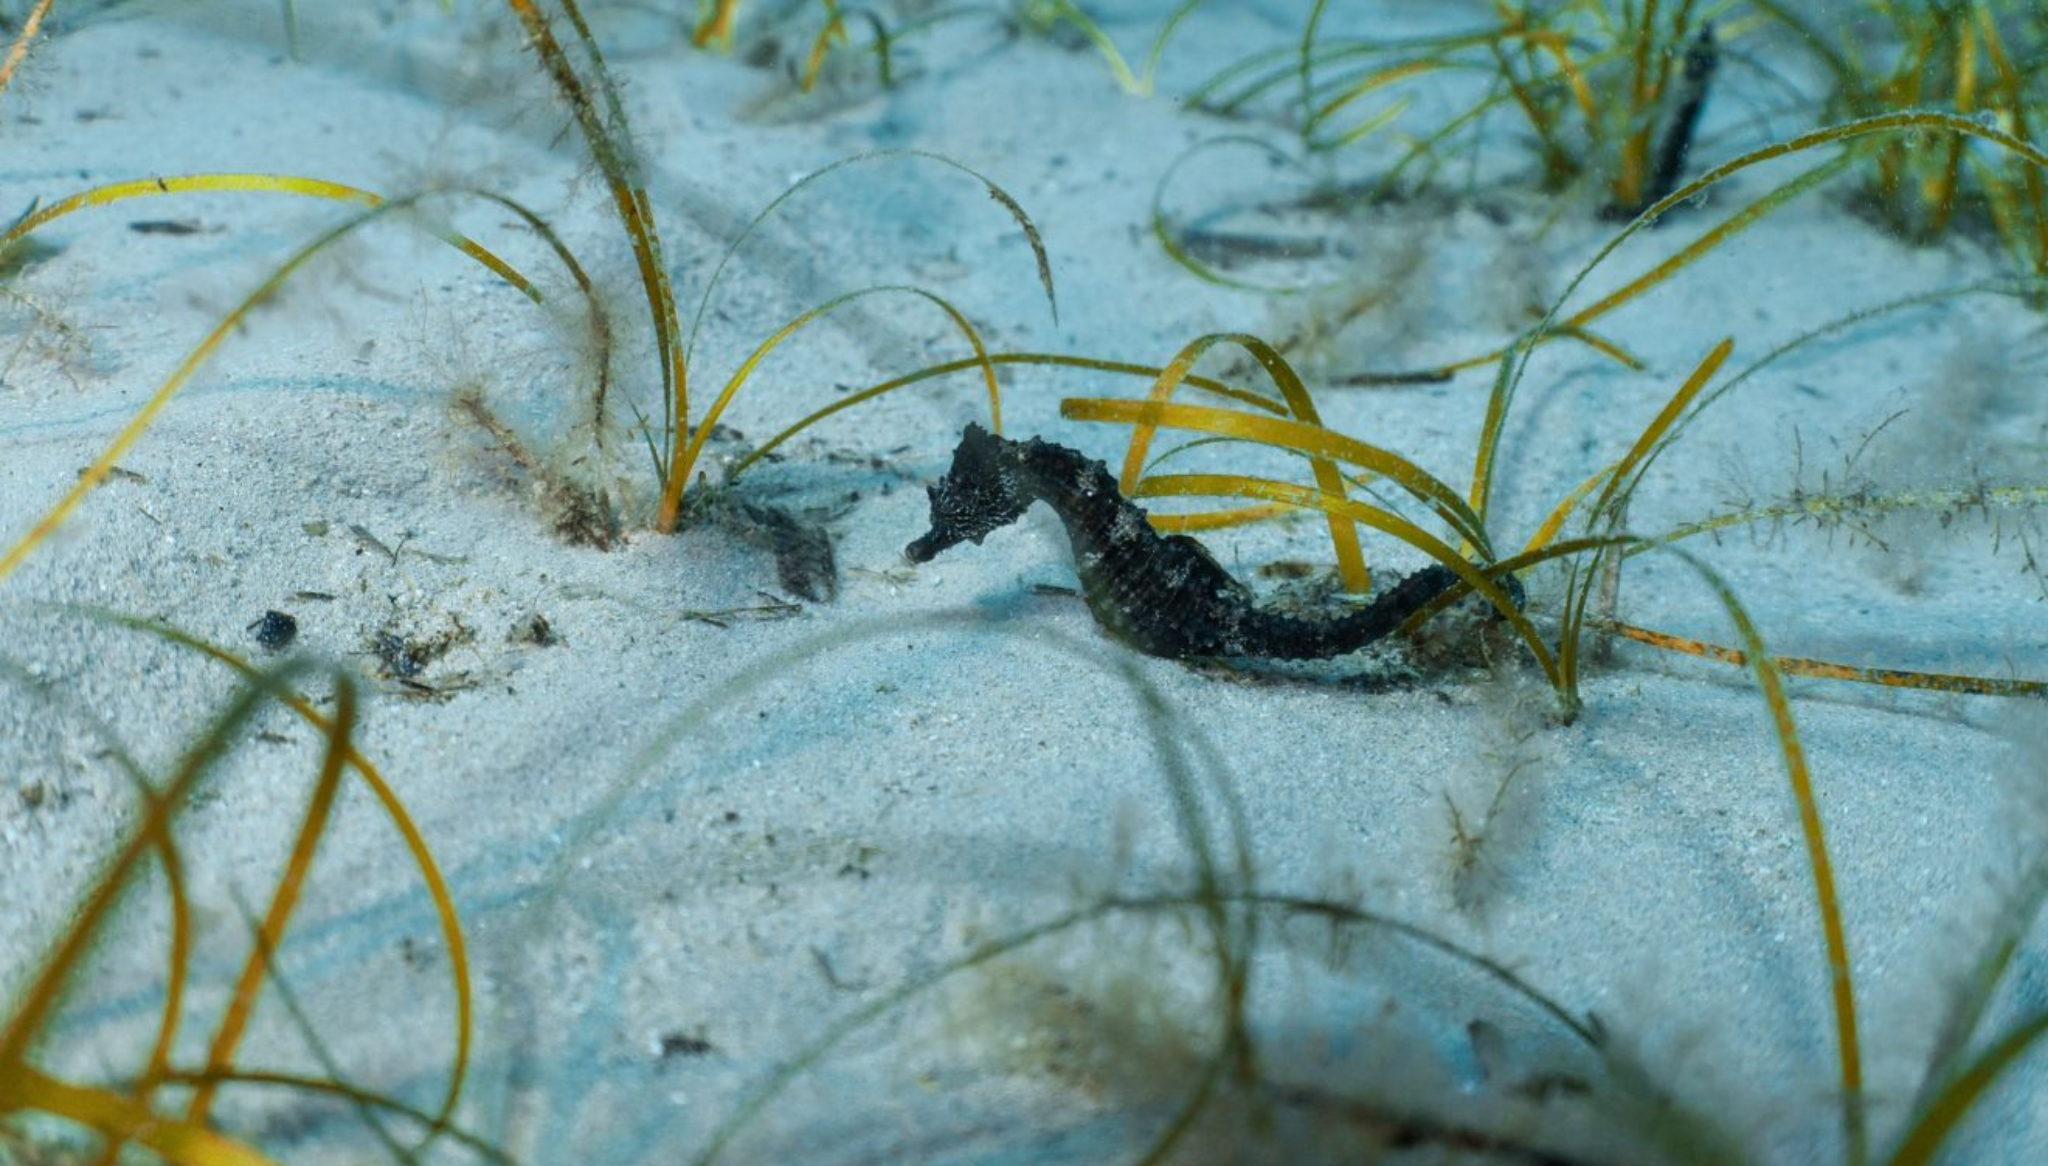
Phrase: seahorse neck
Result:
[1055,474]
[1097,517]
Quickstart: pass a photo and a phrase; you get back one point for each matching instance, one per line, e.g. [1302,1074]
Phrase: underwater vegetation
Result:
[1981,60]
[674,444]
[136,1111]
[1930,118]
[1608,91]
[889,27]
[1614,90]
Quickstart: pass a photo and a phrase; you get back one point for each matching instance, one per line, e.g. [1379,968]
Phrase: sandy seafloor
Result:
[682,850]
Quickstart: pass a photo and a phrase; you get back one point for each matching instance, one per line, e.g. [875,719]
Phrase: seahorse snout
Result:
[925,549]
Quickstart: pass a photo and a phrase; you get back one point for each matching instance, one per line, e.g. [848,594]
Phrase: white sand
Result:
[849,797]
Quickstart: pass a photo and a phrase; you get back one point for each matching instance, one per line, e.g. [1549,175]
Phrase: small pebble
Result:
[534,629]
[275,631]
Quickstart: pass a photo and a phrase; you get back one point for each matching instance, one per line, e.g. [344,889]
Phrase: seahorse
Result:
[1162,594]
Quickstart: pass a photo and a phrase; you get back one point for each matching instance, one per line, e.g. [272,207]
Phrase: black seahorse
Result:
[1162,594]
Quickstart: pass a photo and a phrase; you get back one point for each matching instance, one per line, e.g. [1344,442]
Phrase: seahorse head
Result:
[980,493]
